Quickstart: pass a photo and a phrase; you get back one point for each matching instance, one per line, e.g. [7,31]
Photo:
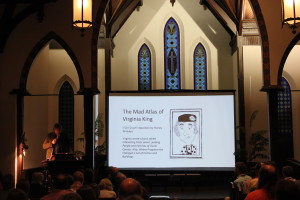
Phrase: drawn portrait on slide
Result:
[186,133]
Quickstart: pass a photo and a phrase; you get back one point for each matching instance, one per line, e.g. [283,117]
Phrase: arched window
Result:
[144,68]
[172,55]
[66,110]
[200,68]
[285,109]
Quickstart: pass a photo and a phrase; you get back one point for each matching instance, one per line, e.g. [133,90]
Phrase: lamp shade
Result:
[291,13]
[82,13]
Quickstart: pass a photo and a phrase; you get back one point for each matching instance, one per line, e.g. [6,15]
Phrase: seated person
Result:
[251,185]
[242,177]
[37,188]
[288,173]
[56,142]
[106,189]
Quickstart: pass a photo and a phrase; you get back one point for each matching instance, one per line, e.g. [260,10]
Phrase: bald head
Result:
[267,176]
[129,187]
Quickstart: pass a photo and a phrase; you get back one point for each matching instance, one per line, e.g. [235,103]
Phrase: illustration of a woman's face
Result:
[187,132]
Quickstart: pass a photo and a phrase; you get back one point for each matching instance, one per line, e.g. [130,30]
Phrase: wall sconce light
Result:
[291,13]
[82,15]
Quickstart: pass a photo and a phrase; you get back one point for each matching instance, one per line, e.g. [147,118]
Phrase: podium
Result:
[63,163]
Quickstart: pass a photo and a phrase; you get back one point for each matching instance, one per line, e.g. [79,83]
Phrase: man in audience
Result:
[288,173]
[287,190]
[78,177]
[60,188]
[37,189]
[106,189]
[24,185]
[16,194]
[89,180]
[71,196]
[267,179]
[87,193]
[129,187]
[118,180]
[8,184]
[251,185]
[242,177]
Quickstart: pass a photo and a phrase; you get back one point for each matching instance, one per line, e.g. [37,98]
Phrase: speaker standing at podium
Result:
[56,142]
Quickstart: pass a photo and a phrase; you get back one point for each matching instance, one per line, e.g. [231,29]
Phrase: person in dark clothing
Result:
[56,142]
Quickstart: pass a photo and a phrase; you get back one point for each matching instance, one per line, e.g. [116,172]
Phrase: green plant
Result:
[258,141]
[99,128]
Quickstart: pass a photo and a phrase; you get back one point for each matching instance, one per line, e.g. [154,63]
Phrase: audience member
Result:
[70,181]
[287,190]
[37,188]
[60,188]
[71,196]
[8,184]
[251,185]
[134,197]
[23,184]
[87,193]
[118,180]
[288,173]
[106,189]
[242,177]
[129,187]
[78,181]
[16,194]
[267,179]
[1,187]
[89,180]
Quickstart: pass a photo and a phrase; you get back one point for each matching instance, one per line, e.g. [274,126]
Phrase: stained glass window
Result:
[172,55]
[285,108]
[200,68]
[66,110]
[144,68]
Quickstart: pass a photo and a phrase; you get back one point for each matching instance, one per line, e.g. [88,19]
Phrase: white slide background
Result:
[132,146]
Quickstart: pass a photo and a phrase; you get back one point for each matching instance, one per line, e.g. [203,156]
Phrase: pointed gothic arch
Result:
[200,68]
[144,68]
[172,55]
[36,49]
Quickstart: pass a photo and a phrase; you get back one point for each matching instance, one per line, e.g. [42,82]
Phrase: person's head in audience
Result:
[112,172]
[134,197]
[257,168]
[129,187]
[105,184]
[119,178]
[70,180]
[23,184]
[61,182]
[267,179]
[7,182]
[71,196]
[17,194]
[240,168]
[78,176]
[287,190]
[37,178]
[287,172]
[87,193]
[88,176]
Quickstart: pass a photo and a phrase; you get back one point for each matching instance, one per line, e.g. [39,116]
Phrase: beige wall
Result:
[50,69]
[255,100]
[196,24]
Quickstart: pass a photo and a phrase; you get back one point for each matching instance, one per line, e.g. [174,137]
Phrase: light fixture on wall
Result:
[291,13]
[172,2]
[82,14]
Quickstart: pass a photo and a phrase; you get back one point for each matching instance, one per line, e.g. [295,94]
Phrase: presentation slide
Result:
[180,130]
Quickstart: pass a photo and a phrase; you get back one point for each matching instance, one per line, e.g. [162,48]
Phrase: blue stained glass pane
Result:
[172,55]
[200,68]
[285,108]
[144,68]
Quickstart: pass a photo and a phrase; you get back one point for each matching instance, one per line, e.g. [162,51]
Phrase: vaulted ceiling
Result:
[230,13]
